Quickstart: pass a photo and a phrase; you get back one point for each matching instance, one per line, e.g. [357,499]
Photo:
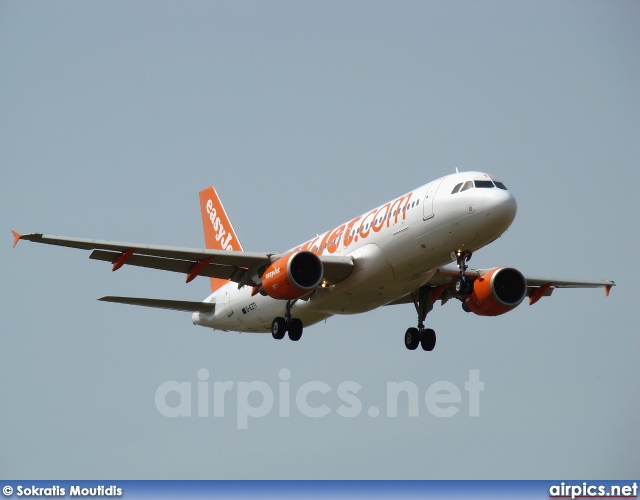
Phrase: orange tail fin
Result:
[218,231]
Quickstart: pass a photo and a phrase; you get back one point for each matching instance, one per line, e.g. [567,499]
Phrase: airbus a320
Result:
[395,253]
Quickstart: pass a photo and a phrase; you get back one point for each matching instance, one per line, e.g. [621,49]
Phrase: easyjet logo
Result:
[271,274]
[219,227]
[360,227]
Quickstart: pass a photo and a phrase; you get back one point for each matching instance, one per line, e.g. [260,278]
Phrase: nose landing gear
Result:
[463,286]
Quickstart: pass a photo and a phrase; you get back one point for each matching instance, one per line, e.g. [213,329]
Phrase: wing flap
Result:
[166,264]
[174,305]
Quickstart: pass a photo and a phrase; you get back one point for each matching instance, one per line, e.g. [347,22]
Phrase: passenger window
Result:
[456,189]
[483,184]
[467,185]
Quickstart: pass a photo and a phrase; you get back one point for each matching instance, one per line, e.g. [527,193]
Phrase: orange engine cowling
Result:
[496,292]
[292,276]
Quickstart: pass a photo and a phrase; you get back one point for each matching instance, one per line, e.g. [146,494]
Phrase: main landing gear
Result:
[426,337]
[423,301]
[280,326]
[463,286]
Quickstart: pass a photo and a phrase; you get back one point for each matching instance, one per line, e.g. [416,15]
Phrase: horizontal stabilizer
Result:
[176,305]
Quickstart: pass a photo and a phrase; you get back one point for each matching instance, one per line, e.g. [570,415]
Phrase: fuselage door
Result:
[429,197]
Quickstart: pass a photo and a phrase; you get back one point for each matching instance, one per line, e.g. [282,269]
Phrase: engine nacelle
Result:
[496,292]
[292,276]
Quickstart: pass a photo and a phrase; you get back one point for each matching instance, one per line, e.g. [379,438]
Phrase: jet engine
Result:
[496,292]
[292,276]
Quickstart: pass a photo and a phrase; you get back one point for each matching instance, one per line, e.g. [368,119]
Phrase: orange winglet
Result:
[607,289]
[122,259]
[197,267]
[539,293]
[16,238]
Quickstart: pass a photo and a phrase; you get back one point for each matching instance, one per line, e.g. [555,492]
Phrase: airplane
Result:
[396,253]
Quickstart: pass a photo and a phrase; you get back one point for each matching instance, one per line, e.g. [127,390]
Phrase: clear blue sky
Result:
[113,115]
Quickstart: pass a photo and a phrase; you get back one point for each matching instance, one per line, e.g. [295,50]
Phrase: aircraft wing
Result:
[446,275]
[537,287]
[224,264]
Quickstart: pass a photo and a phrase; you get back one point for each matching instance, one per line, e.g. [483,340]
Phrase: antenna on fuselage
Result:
[457,170]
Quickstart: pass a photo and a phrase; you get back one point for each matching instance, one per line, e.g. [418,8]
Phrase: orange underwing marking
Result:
[539,293]
[437,292]
[197,267]
[122,259]
[16,238]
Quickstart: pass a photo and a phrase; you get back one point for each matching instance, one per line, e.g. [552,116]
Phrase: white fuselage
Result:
[396,248]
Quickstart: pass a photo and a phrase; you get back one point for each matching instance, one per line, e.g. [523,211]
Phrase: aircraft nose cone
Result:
[502,205]
[508,208]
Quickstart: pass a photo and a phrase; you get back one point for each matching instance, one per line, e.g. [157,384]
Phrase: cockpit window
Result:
[456,189]
[500,185]
[467,185]
[483,184]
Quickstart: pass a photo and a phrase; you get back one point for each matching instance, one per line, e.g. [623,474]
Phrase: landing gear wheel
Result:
[423,300]
[428,339]
[412,339]
[464,287]
[295,329]
[278,328]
